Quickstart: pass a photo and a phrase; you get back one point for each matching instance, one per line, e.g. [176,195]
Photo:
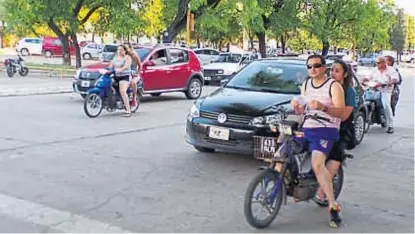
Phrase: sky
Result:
[407,5]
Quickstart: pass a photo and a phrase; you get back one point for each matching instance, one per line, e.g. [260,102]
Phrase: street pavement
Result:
[64,172]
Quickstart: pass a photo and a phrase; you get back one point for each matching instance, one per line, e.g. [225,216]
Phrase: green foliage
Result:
[397,36]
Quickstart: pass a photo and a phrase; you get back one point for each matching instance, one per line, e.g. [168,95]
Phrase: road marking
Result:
[56,220]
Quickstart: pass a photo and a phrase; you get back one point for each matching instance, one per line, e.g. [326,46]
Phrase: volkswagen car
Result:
[235,117]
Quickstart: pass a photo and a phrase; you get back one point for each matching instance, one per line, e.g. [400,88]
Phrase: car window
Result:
[178,56]
[92,46]
[57,42]
[228,58]
[214,52]
[198,51]
[159,57]
[110,48]
[271,77]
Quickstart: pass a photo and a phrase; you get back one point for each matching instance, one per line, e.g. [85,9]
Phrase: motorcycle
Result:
[106,95]
[373,102]
[295,178]
[15,65]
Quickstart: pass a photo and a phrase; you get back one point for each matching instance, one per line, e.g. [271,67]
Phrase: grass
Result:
[46,66]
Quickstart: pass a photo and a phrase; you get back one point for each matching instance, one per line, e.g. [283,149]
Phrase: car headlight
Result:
[194,111]
[267,119]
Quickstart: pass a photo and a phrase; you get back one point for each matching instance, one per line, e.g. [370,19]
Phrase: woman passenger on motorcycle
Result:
[122,65]
[135,68]
[341,72]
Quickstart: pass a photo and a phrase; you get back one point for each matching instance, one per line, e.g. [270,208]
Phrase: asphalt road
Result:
[63,172]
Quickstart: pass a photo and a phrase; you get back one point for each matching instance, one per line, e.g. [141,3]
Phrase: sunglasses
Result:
[316,65]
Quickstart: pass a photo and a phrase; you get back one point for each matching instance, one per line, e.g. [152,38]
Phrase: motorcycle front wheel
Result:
[93,105]
[24,71]
[263,198]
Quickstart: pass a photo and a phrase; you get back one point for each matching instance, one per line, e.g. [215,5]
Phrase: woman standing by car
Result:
[341,72]
[122,66]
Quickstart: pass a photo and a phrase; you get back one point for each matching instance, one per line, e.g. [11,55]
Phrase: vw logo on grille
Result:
[222,118]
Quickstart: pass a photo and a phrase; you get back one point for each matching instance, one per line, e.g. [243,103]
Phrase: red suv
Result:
[164,69]
[53,46]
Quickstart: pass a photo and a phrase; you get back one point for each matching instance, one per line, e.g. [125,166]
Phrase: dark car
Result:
[233,115]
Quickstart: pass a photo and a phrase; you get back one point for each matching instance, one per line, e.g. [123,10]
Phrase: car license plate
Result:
[208,78]
[85,83]
[268,145]
[219,133]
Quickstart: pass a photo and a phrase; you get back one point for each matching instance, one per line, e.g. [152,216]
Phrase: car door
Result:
[156,71]
[179,68]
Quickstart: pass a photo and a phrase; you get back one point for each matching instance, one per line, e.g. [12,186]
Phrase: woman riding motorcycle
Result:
[122,66]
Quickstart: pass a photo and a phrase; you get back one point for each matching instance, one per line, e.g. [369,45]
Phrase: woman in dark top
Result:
[341,72]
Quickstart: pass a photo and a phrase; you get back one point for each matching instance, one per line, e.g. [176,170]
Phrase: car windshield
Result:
[228,58]
[270,77]
[142,53]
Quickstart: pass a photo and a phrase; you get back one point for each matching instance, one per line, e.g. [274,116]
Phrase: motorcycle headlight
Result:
[267,119]
[98,81]
[194,111]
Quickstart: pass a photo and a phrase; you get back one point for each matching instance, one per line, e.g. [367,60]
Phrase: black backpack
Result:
[347,133]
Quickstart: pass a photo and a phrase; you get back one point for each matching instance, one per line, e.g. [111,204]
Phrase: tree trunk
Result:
[64,40]
[1,38]
[93,36]
[251,39]
[77,50]
[283,44]
[326,46]
[262,44]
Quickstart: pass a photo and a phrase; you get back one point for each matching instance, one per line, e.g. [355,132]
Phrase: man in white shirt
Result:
[384,74]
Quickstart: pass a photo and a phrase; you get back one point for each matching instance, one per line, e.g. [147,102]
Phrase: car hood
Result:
[223,66]
[95,67]
[243,102]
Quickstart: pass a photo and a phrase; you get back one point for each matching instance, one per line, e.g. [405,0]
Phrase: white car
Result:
[91,50]
[225,66]
[28,46]
[207,55]
[408,57]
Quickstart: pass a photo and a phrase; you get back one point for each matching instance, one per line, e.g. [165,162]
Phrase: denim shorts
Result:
[320,139]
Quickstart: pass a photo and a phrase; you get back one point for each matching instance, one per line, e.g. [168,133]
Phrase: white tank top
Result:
[323,95]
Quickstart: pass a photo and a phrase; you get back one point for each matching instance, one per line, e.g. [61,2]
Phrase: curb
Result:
[49,73]
[32,92]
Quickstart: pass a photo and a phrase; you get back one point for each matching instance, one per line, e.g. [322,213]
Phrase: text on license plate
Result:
[85,83]
[268,145]
[219,133]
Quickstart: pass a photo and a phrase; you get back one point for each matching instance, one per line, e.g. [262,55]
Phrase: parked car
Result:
[108,51]
[28,46]
[368,60]
[52,46]
[207,55]
[345,58]
[164,69]
[91,50]
[408,57]
[226,65]
[235,117]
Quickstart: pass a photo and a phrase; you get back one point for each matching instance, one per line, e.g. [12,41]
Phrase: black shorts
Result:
[337,152]
[120,78]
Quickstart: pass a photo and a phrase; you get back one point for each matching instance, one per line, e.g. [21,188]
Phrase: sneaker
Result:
[335,219]
[390,130]
[133,102]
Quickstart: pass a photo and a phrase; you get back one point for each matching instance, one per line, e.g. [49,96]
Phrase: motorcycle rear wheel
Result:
[97,103]
[264,176]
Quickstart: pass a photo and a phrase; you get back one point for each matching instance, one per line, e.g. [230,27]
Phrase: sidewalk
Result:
[24,86]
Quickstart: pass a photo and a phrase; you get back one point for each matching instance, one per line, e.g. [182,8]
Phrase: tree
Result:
[409,32]
[397,36]
[61,16]
[326,19]
[177,19]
